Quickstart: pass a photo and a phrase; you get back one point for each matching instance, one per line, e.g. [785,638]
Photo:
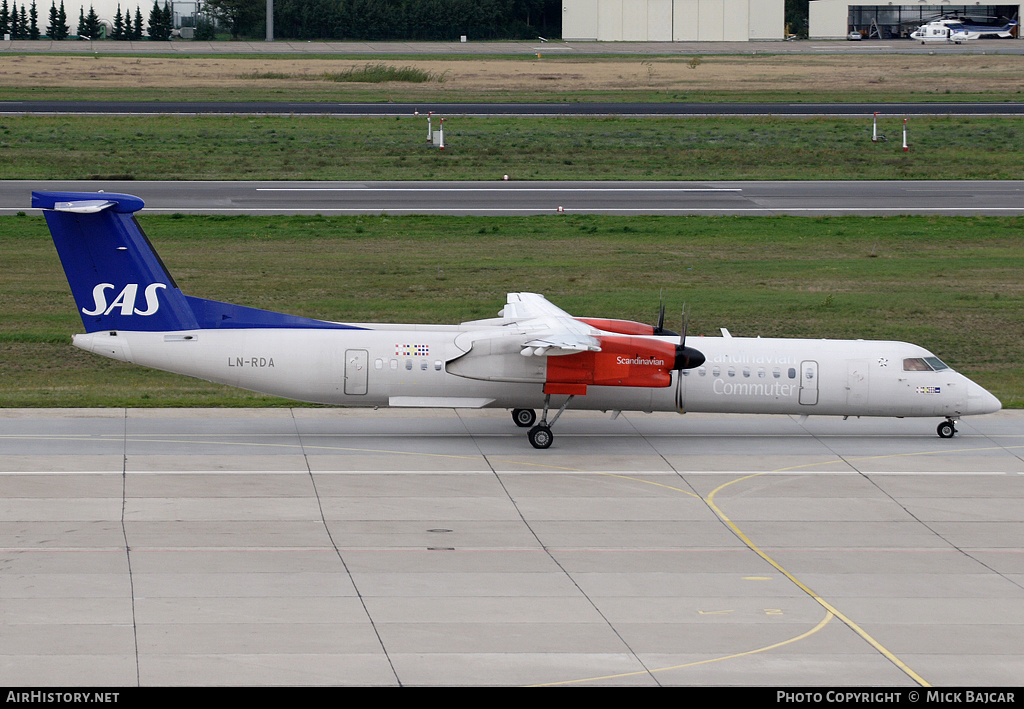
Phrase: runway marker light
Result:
[505,178]
[874,129]
[560,209]
[430,132]
[441,145]
[905,146]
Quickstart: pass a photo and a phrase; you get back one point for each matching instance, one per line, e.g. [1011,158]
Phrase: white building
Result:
[673,20]
[835,19]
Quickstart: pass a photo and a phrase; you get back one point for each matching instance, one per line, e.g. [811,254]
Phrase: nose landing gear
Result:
[946,429]
[540,435]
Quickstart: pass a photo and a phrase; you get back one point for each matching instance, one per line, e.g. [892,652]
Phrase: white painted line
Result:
[525,471]
[551,208]
[460,211]
[498,190]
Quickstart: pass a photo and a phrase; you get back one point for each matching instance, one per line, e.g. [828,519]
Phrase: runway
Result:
[436,547]
[751,198]
[616,108]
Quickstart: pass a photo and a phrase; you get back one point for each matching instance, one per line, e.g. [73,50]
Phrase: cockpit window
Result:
[924,364]
[915,364]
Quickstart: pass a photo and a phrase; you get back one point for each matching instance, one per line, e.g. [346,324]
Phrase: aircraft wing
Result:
[528,325]
[551,330]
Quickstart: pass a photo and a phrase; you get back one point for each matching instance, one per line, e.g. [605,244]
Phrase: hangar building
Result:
[835,19]
[673,20]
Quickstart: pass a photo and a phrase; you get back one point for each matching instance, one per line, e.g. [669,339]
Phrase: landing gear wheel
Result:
[946,429]
[540,436]
[524,418]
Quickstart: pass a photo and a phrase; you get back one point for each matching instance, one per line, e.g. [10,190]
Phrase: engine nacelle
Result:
[622,327]
[622,361]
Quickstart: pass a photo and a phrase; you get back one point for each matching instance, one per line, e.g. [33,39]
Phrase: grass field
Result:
[484,148]
[952,285]
[553,77]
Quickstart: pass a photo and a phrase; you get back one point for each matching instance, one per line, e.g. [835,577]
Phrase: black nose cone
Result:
[688,358]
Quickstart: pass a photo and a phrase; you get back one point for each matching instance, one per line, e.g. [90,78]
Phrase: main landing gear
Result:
[946,429]
[540,435]
[524,418]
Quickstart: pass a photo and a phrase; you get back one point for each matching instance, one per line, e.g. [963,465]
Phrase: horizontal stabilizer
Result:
[86,202]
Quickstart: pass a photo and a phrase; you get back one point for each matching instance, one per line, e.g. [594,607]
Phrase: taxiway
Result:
[360,547]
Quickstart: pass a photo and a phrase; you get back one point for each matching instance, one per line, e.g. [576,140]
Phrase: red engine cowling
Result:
[622,327]
[622,361]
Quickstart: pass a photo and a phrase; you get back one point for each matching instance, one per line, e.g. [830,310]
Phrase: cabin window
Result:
[686,372]
[792,373]
[394,364]
[408,364]
[776,372]
[732,371]
[424,364]
[378,363]
[746,372]
[716,372]
[438,365]
[760,373]
[703,371]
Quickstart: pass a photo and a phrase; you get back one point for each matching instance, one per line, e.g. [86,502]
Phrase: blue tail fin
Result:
[118,281]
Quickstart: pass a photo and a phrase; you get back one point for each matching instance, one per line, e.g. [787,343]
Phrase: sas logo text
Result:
[125,300]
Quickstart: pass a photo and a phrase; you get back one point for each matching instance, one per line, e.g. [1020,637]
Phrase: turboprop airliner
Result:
[534,355]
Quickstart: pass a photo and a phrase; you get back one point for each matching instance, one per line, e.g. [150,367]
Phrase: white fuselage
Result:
[957,31]
[416,365]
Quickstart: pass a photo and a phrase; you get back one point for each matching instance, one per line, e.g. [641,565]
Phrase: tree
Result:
[240,16]
[51,29]
[118,31]
[159,26]
[5,18]
[22,23]
[93,28]
[33,22]
[137,32]
[205,31]
[14,27]
[415,19]
[62,29]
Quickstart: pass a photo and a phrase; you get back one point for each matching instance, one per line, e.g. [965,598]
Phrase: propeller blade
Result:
[687,357]
[659,329]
